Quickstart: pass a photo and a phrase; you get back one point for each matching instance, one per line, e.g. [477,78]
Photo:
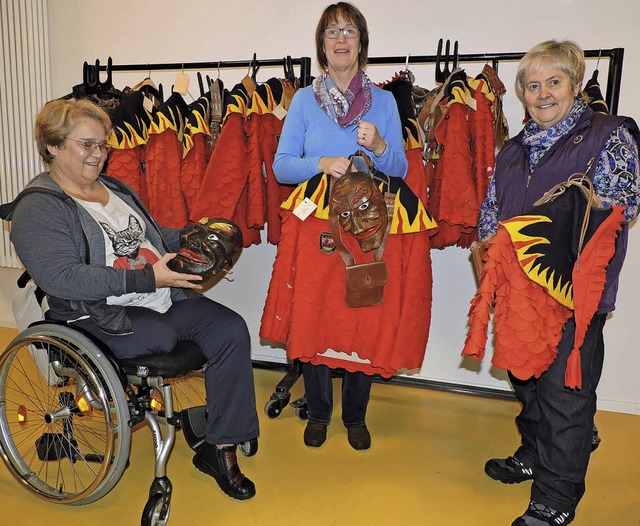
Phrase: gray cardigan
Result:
[62,248]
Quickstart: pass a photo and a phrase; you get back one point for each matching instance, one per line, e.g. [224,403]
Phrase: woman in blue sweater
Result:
[340,113]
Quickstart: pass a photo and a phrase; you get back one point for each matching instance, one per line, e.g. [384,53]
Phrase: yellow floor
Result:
[425,467]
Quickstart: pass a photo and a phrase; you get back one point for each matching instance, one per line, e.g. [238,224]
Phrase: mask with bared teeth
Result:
[360,208]
[207,247]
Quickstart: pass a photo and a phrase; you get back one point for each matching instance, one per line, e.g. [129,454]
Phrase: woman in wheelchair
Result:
[95,250]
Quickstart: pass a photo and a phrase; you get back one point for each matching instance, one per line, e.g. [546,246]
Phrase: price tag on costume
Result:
[305,209]
[147,104]
[182,84]
[279,112]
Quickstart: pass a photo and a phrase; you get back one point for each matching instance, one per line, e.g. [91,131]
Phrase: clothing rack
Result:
[281,395]
[303,62]
[614,74]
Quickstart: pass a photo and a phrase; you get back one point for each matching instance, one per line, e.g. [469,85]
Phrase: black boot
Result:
[359,437]
[222,465]
[315,434]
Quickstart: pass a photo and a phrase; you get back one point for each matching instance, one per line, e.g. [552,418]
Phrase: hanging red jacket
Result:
[481,130]
[194,154]
[127,139]
[539,272]
[223,192]
[401,87]
[306,307]
[163,161]
[452,196]
[265,118]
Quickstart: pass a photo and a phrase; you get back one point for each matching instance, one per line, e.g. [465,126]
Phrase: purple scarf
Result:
[344,108]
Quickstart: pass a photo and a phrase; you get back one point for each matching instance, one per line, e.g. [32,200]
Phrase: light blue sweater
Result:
[309,134]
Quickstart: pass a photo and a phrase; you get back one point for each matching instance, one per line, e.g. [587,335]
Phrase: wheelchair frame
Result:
[65,431]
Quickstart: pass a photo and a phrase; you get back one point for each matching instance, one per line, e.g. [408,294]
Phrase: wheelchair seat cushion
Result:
[185,357]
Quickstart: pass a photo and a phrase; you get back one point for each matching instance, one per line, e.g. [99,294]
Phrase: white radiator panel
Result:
[24,89]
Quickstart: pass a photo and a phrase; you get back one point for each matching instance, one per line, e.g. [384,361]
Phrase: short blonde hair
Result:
[565,55]
[59,117]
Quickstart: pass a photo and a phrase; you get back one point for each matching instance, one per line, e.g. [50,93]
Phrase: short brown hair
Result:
[565,55]
[349,13]
[57,119]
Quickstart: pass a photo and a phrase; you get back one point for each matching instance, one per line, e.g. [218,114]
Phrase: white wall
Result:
[164,31]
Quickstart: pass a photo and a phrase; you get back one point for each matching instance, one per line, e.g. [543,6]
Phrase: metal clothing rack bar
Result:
[303,62]
[614,75]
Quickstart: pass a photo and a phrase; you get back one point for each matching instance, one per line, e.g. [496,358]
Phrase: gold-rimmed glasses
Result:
[91,146]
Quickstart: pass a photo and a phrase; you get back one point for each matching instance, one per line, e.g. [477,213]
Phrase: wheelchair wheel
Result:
[249,448]
[66,440]
[153,513]
[188,391]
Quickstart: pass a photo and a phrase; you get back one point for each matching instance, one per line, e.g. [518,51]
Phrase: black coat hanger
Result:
[90,81]
[200,84]
[289,72]
[107,85]
[443,74]
[253,68]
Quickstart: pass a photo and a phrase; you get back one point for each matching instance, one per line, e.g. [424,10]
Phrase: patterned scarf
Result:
[344,108]
[539,140]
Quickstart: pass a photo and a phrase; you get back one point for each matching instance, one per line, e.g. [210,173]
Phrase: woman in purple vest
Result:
[562,136]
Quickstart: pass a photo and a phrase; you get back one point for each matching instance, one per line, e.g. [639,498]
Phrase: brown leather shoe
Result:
[359,437]
[315,434]
[222,465]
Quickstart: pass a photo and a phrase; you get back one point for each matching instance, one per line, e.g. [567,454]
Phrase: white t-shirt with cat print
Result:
[126,246]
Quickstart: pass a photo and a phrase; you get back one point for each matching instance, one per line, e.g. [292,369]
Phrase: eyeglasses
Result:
[348,32]
[92,146]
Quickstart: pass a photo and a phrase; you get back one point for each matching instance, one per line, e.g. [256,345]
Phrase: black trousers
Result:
[556,423]
[318,386]
[223,336]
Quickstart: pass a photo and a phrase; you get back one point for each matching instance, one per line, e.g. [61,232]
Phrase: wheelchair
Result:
[68,408]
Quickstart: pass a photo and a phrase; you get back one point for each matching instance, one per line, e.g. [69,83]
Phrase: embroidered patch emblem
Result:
[326,243]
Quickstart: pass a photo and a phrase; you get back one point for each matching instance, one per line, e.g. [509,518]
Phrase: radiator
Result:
[24,89]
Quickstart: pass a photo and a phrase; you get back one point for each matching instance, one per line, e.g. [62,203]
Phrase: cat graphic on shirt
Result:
[126,246]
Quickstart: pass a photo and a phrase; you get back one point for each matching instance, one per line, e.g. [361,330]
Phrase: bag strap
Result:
[586,185]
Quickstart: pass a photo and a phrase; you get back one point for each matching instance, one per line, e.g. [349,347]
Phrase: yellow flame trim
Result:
[545,277]
[129,136]
[400,223]
[197,124]
[260,105]
[168,120]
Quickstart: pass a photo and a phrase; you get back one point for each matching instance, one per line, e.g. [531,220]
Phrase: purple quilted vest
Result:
[517,187]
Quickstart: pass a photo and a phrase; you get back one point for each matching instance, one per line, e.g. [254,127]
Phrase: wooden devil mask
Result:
[360,208]
[207,247]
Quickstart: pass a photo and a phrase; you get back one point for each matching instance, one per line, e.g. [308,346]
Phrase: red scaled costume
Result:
[534,275]
[164,157]
[224,191]
[265,117]
[306,308]
[460,156]
[194,153]
[128,137]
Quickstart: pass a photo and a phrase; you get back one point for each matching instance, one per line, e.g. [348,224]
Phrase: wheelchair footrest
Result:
[55,446]
[194,425]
